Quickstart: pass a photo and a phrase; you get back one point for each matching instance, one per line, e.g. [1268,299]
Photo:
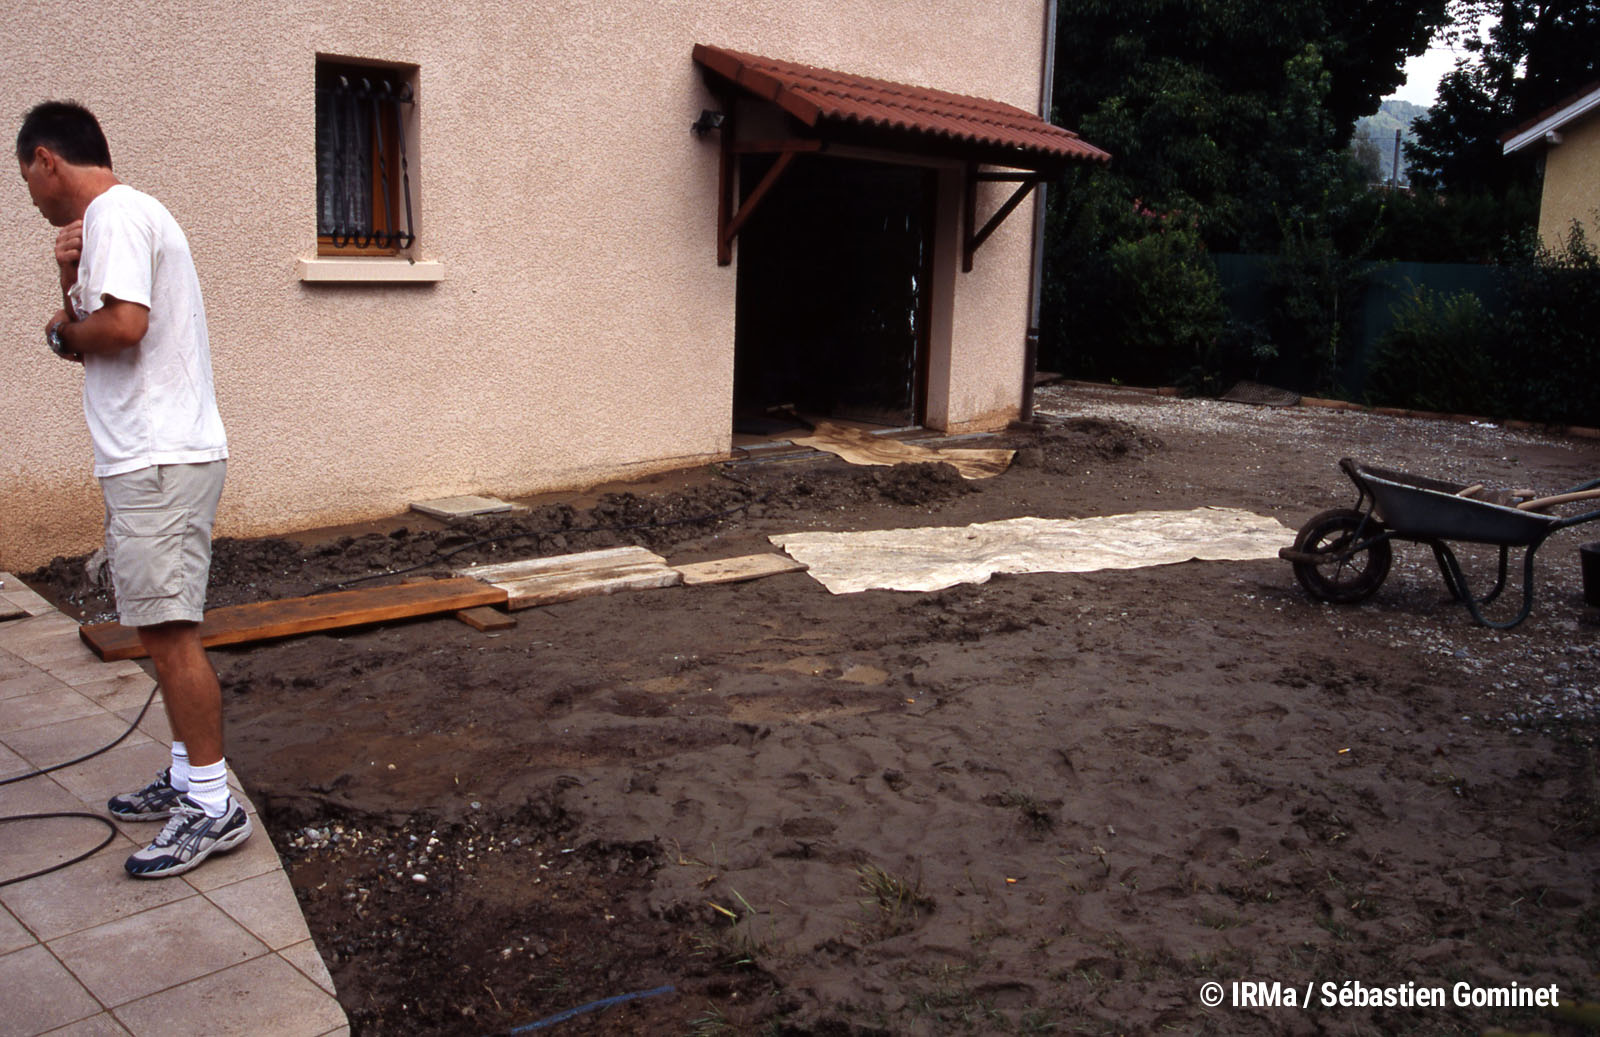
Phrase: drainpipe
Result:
[1030,346]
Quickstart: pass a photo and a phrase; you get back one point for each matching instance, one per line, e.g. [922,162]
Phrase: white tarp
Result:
[932,558]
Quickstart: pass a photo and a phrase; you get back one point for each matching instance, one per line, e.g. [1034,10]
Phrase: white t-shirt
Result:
[153,403]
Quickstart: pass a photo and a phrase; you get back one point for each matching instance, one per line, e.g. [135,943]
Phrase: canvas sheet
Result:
[937,557]
[859,446]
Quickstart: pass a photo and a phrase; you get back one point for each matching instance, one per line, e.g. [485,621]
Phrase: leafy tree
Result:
[1228,122]
[1537,53]
[1231,111]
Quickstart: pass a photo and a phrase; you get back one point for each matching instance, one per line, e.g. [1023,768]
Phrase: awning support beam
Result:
[731,221]
[974,238]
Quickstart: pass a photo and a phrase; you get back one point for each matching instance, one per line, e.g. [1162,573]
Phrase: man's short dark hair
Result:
[66,128]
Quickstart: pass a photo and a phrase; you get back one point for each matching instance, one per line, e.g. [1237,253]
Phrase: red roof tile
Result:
[819,97]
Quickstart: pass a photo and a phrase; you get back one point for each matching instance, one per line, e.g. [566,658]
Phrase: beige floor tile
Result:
[35,796]
[29,681]
[339,1031]
[19,593]
[11,666]
[86,668]
[49,706]
[12,765]
[264,996]
[57,743]
[173,944]
[39,995]
[124,691]
[305,957]
[154,725]
[48,637]
[102,1025]
[265,905]
[129,766]
[63,653]
[88,894]
[35,845]
[13,934]
[49,625]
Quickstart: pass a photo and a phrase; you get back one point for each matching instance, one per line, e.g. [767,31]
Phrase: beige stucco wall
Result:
[582,330]
[1572,183]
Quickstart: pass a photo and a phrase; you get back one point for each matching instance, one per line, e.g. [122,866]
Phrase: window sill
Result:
[369,270]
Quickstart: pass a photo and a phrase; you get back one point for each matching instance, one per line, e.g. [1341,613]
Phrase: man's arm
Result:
[69,250]
[116,326]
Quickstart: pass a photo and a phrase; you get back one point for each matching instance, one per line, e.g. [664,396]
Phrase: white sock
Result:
[208,787]
[179,774]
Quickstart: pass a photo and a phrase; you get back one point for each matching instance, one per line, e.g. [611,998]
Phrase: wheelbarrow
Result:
[1343,555]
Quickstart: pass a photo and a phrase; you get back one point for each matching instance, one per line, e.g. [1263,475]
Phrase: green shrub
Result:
[1437,356]
[1550,333]
[1130,297]
[1164,310]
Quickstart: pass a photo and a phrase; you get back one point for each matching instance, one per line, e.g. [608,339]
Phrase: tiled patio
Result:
[223,949]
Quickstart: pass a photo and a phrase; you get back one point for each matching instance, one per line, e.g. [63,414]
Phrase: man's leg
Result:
[206,819]
[159,538]
[189,688]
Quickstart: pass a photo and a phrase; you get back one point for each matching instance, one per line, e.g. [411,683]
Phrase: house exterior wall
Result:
[1571,183]
[581,330]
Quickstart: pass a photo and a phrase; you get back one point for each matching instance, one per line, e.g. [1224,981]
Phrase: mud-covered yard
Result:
[1047,804]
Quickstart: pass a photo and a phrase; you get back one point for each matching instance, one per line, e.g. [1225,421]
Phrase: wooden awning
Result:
[837,108]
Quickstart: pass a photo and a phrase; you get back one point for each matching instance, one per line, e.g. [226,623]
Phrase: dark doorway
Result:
[833,289]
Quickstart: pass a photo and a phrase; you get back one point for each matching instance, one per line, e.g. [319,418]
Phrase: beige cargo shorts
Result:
[158,540]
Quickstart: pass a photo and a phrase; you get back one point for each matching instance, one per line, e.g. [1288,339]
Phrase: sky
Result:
[1424,71]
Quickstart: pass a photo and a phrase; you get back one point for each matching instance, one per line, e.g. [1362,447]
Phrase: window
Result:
[364,115]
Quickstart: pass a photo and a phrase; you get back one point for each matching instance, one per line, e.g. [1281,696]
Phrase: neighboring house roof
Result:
[902,115]
[1551,120]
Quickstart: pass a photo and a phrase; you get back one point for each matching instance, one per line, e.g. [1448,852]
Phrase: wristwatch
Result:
[57,345]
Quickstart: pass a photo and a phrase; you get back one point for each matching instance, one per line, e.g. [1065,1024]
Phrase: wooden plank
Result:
[547,581]
[583,561]
[241,624]
[733,570]
[485,618]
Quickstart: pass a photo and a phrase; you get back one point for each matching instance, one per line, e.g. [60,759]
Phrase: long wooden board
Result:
[547,581]
[735,570]
[239,624]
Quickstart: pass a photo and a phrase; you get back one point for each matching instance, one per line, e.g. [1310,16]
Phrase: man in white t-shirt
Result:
[134,319]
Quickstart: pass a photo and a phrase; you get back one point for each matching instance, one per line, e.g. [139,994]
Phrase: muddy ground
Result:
[1048,804]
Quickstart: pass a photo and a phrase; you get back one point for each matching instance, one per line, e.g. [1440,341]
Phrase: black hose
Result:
[110,835]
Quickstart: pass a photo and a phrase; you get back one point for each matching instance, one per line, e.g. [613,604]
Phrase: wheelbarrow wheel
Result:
[1345,578]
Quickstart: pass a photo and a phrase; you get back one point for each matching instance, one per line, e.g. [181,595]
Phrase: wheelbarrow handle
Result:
[1541,503]
[1577,520]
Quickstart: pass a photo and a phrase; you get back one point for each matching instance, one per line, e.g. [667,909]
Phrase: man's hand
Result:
[69,249]
[52,333]
[115,326]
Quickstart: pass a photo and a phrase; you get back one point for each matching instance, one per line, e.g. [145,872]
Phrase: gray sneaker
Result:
[189,838]
[154,802]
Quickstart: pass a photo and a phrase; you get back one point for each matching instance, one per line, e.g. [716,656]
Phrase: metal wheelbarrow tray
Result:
[1343,555]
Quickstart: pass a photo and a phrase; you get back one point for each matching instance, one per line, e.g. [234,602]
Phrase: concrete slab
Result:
[173,944]
[102,1025]
[264,996]
[462,507]
[39,994]
[19,594]
[75,899]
